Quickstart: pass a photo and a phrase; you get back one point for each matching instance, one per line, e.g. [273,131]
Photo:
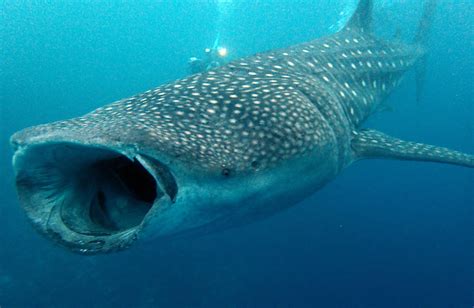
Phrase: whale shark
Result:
[221,148]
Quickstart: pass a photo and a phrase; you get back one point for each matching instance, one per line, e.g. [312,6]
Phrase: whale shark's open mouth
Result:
[87,198]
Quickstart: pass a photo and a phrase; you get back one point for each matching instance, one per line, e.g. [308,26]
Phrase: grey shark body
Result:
[217,149]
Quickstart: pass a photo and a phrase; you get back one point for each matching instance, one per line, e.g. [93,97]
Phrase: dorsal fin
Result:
[362,18]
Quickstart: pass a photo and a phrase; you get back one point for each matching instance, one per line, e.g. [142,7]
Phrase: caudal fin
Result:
[421,39]
[425,23]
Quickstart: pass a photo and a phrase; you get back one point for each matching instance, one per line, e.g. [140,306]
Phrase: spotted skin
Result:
[243,141]
[256,112]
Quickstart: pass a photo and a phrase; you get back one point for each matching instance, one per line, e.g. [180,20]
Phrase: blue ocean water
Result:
[383,234]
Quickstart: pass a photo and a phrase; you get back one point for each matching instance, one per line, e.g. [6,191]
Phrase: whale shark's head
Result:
[87,191]
[171,161]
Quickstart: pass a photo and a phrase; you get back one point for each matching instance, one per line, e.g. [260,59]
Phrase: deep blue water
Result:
[383,234]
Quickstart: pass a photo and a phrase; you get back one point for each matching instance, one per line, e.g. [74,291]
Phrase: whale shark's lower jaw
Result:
[89,199]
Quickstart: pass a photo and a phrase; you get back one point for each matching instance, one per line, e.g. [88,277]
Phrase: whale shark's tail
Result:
[361,21]
[426,21]
[421,39]
[373,144]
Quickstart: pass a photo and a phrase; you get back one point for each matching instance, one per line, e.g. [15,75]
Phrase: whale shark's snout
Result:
[92,188]
[89,198]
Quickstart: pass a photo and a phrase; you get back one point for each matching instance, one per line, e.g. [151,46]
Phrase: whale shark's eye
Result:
[225,172]
[255,164]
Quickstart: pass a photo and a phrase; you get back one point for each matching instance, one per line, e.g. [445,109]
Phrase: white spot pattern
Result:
[257,111]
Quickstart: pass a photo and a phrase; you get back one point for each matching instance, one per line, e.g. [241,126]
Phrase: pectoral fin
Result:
[374,144]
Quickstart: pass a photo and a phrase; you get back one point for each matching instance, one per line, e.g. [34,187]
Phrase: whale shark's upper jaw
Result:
[88,198]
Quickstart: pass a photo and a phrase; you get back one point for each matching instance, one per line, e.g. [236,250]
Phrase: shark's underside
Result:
[220,148]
